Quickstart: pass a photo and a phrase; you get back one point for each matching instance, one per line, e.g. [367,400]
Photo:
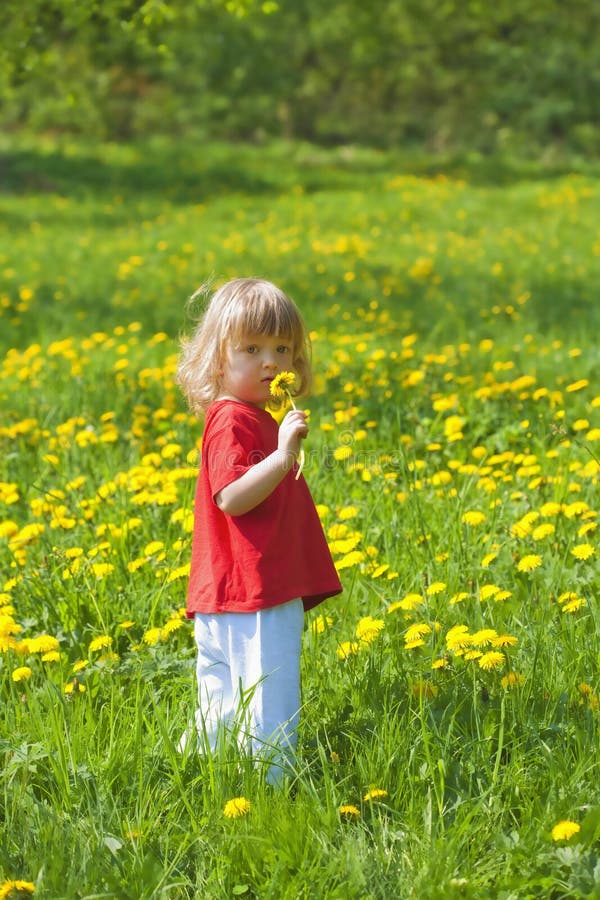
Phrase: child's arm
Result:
[261,479]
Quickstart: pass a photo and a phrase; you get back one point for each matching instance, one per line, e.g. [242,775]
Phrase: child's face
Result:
[250,366]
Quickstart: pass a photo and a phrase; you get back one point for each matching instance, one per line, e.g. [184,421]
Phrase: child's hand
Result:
[292,431]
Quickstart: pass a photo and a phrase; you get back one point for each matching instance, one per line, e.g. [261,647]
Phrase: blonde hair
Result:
[240,307]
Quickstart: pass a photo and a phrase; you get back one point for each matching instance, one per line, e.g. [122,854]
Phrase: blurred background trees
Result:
[437,73]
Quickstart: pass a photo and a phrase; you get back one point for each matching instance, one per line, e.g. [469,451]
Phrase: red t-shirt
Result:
[271,554]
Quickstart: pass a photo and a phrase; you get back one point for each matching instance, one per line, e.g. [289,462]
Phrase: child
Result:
[259,555]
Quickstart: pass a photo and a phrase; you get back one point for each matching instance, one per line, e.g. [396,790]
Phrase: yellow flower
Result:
[491,660]
[530,562]
[435,588]
[236,808]
[21,674]
[577,385]
[409,602]
[152,636]
[543,531]
[350,812]
[319,624]
[102,569]
[565,830]
[346,649]
[375,794]
[281,384]
[440,663]
[368,629]
[487,559]
[416,631]
[44,643]
[99,643]
[473,517]
[583,551]
[505,640]
[279,387]
[458,637]
[23,887]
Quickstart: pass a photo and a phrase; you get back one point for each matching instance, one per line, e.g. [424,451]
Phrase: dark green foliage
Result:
[515,74]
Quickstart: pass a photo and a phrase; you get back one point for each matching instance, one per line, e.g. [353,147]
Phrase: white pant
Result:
[248,674]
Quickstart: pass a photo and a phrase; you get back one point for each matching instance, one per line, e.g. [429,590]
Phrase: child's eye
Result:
[251,348]
[283,349]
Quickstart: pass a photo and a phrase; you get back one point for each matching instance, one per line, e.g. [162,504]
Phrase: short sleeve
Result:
[228,452]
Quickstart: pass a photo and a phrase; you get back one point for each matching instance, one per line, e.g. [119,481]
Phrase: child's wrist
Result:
[285,459]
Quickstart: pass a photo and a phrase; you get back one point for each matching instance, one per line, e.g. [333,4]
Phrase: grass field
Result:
[449,743]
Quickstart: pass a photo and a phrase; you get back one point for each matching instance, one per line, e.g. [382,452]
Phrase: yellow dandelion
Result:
[349,812]
[440,663]
[458,598]
[100,642]
[409,602]
[473,517]
[529,563]
[543,531]
[551,508]
[375,794]
[488,590]
[281,384]
[574,605]
[583,551]
[487,559]
[418,630]
[342,453]
[152,636]
[505,640]
[491,660]
[346,649]
[22,887]
[280,388]
[179,572]
[368,629]
[74,687]
[102,569]
[354,558]
[22,673]
[458,637]
[565,830]
[577,386]
[236,808]
[483,637]
[320,624]
[173,624]
[436,587]
[43,643]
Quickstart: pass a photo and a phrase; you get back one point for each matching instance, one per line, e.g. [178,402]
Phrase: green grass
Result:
[454,311]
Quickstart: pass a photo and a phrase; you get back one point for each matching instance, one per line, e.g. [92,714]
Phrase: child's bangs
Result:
[261,316]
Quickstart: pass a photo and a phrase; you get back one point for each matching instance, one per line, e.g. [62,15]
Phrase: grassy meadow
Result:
[449,739]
